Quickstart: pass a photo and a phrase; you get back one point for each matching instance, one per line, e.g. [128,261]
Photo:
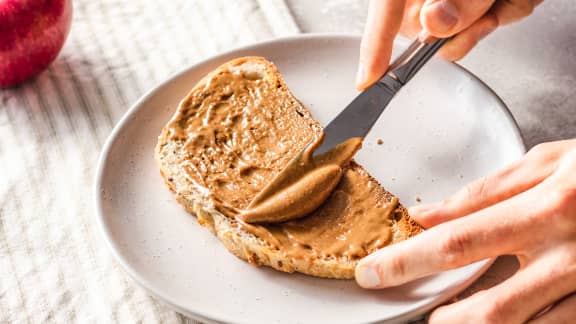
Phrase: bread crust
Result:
[242,243]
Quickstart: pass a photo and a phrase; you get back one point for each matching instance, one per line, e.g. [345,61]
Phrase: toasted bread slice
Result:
[174,161]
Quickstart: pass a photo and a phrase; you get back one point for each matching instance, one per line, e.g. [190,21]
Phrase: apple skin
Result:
[32,33]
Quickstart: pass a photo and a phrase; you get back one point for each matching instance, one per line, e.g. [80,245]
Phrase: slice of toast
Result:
[185,172]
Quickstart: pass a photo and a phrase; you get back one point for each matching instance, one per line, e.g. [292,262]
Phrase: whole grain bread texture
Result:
[170,152]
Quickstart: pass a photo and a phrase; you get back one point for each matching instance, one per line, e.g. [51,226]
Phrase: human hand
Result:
[469,20]
[527,209]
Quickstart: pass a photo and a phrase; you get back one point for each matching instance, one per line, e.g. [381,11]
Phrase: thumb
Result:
[444,18]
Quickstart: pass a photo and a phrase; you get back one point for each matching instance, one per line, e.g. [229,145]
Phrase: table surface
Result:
[530,64]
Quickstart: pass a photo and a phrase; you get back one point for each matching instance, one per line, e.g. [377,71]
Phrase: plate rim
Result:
[105,234]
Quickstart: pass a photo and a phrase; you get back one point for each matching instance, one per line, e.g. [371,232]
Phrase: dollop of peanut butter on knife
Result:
[302,187]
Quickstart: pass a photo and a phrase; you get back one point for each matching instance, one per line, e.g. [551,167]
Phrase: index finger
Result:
[382,25]
[484,234]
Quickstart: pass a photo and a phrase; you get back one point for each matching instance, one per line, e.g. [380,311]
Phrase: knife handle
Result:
[405,66]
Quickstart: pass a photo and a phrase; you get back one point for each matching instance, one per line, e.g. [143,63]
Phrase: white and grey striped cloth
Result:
[53,267]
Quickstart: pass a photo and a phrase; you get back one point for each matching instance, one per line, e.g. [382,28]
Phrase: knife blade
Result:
[359,116]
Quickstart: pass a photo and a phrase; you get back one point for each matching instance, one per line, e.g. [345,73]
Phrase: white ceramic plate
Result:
[443,130]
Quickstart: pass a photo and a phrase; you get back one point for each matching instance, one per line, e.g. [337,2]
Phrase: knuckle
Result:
[398,268]
[526,8]
[514,10]
[539,150]
[563,199]
[569,160]
[495,313]
[454,248]
[492,21]
[562,209]
[477,189]
[520,8]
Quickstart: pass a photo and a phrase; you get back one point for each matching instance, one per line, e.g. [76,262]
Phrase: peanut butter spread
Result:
[303,185]
[240,132]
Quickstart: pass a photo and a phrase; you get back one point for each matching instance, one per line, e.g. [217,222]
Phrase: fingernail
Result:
[441,15]
[367,276]
[361,76]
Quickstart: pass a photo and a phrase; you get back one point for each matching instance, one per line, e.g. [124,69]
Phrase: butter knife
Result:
[359,116]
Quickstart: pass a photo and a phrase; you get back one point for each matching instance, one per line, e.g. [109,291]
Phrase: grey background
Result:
[530,64]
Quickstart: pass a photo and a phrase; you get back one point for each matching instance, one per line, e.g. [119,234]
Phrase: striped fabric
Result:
[53,265]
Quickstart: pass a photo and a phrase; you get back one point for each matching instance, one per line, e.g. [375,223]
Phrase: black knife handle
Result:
[405,66]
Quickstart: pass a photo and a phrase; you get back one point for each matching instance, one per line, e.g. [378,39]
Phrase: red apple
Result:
[32,33]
